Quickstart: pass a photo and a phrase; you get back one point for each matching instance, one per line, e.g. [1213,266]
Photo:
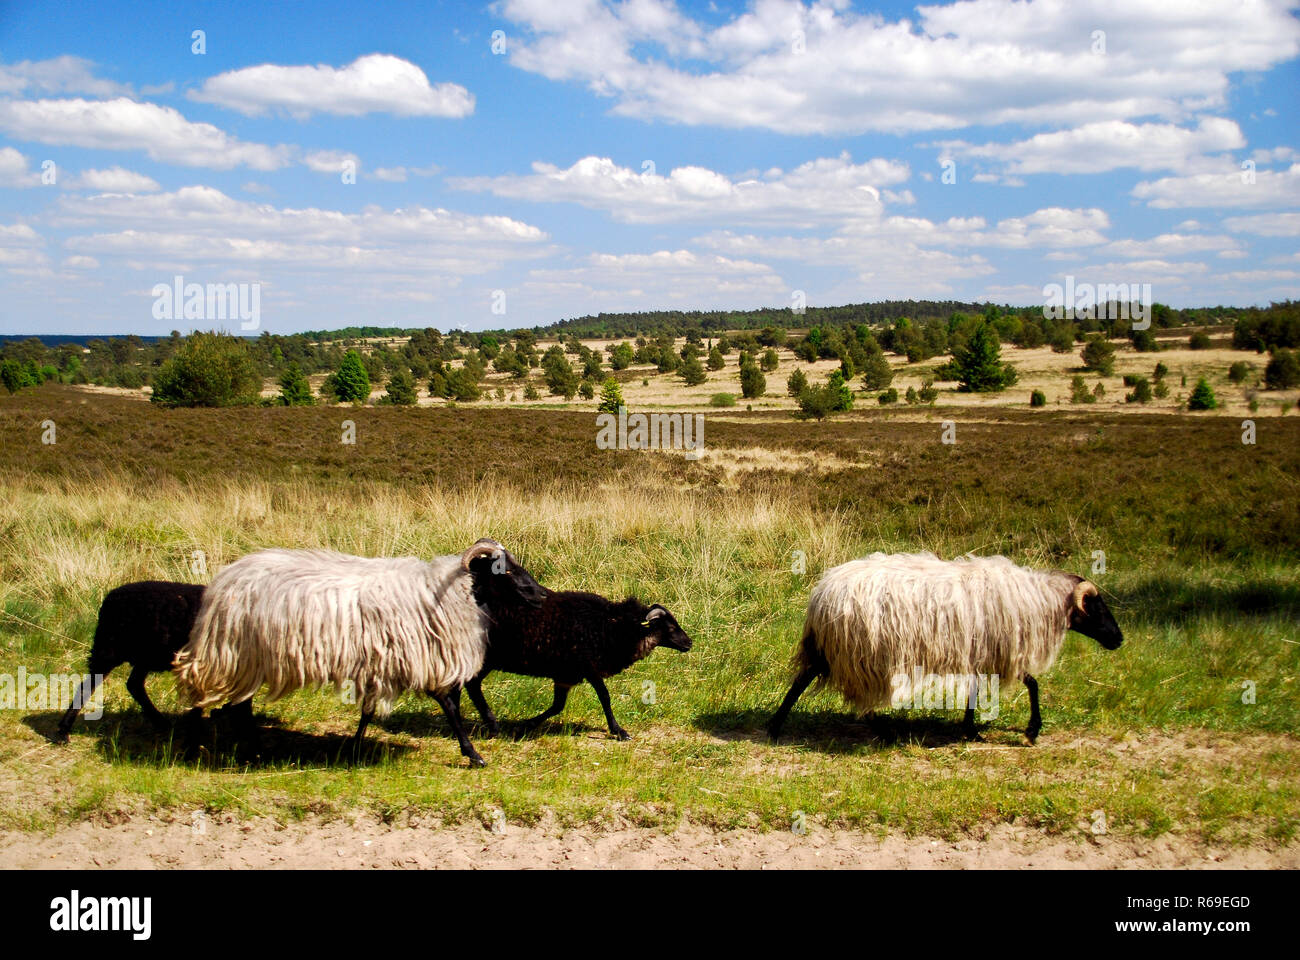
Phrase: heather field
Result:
[1187,732]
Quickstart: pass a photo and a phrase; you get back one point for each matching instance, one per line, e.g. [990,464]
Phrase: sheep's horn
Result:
[1083,588]
[482,548]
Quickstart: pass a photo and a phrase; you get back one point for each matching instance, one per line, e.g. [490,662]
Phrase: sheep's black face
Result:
[663,626]
[499,577]
[1096,621]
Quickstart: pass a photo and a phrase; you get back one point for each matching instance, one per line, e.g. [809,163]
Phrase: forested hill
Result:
[653,323]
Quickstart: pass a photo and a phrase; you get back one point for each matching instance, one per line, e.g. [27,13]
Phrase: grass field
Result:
[1201,535]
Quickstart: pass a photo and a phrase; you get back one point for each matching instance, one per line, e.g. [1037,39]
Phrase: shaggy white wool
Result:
[304,618]
[890,614]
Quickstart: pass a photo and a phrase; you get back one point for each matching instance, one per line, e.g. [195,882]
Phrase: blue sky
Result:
[637,155]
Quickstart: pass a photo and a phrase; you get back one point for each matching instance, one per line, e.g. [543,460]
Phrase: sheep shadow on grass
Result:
[424,724]
[126,737]
[838,732]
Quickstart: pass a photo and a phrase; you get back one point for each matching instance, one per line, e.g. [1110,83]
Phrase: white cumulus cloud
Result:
[377,83]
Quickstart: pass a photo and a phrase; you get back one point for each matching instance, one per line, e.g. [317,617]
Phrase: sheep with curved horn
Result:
[289,619]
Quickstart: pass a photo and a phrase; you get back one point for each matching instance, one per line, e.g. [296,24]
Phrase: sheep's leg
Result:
[452,710]
[968,721]
[796,691]
[135,686]
[558,701]
[366,717]
[603,693]
[1035,719]
[79,700]
[475,689]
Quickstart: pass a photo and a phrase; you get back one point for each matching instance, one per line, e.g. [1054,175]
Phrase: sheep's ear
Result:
[656,612]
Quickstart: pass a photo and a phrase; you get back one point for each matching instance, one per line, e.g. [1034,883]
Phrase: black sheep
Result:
[142,624]
[574,637]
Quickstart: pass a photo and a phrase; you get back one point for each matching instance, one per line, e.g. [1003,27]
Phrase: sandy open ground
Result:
[229,842]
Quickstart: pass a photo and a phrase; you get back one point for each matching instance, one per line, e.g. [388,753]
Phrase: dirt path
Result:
[231,843]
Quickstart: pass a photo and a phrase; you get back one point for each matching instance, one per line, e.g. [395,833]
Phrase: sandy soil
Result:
[151,843]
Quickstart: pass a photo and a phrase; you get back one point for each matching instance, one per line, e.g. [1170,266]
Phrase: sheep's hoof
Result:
[477,762]
[60,737]
[1031,736]
[621,734]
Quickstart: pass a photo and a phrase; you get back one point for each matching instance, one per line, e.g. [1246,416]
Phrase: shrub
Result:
[129,377]
[462,384]
[876,372]
[1239,371]
[1200,340]
[508,360]
[1202,397]
[1079,391]
[561,379]
[621,357]
[1160,371]
[400,391]
[752,382]
[1283,370]
[927,393]
[210,370]
[1161,390]
[716,360]
[841,395]
[1062,340]
[1143,341]
[722,400]
[947,371]
[586,390]
[1099,390]
[796,383]
[668,361]
[889,396]
[1098,356]
[295,391]
[692,372]
[1038,399]
[978,363]
[530,392]
[770,360]
[911,396]
[1141,392]
[611,396]
[816,403]
[14,376]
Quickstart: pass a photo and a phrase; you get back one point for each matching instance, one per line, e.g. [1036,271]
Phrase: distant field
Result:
[644,388]
[1201,535]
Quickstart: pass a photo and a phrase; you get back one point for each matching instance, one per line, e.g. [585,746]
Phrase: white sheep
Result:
[289,619]
[872,622]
